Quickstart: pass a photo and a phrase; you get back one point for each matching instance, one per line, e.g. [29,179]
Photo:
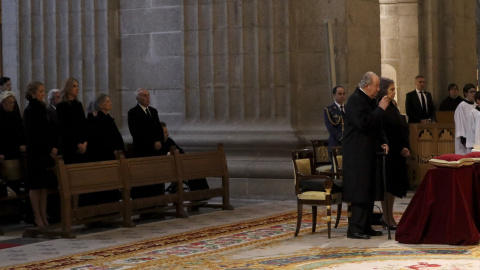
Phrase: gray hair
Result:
[51,92]
[137,92]
[5,94]
[99,100]
[366,79]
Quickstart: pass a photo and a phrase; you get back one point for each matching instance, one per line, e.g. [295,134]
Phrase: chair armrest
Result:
[316,183]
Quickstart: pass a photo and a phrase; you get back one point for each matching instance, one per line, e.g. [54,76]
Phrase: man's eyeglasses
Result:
[472,91]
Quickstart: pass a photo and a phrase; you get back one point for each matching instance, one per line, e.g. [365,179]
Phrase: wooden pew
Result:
[204,165]
[147,171]
[12,174]
[84,178]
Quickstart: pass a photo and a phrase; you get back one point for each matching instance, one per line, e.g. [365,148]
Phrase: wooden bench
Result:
[147,171]
[124,174]
[86,178]
[204,165]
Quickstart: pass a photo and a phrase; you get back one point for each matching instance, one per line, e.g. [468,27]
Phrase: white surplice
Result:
[462,120]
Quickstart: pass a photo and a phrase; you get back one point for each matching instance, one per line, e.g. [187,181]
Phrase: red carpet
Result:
[6,245]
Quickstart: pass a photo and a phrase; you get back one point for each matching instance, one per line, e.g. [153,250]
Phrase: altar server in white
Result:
[473,134]
[462,119]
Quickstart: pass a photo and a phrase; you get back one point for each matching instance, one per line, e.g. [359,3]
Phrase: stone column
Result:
[401,45]
[49,41]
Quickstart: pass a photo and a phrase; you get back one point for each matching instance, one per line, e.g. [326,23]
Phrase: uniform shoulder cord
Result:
[340,119]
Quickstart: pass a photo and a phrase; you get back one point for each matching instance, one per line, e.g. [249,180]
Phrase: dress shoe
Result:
[374,233]
[358,236]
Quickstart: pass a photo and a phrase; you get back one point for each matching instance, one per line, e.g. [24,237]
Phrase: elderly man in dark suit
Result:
[419,103]
[144,126]
[54,98]
[362,140]
[147,135]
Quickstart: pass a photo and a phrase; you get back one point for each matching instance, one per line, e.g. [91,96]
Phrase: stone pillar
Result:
[400,45]
[49,41]
[152,57]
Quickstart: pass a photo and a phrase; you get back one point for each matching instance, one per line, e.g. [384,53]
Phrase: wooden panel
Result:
[428,141]
[200,165]
[151,170]
[94,177]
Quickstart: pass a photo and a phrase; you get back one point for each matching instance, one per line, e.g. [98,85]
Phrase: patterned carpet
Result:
[252,242]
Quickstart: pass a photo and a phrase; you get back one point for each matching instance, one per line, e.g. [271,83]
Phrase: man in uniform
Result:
[334,116]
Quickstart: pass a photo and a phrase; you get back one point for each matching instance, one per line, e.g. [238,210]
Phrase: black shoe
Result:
[385,225]
[358,236]
[374,233]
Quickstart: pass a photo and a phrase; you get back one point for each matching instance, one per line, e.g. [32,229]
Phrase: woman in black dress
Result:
[73,124]
[41,146]
[397,132]
[12,138]
[105,139]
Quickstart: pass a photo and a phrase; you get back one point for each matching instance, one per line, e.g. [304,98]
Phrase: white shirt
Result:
[341,107]
[462,119]
[473,130]
[144,108]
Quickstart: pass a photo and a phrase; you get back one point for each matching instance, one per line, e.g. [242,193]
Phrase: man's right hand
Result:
[384,103]
[157,145]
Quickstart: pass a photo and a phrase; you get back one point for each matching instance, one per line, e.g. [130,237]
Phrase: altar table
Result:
[444,210]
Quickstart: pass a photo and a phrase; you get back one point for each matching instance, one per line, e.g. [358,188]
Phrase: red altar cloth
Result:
[442,211]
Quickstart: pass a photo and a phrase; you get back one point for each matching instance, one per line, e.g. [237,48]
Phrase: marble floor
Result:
[88,239]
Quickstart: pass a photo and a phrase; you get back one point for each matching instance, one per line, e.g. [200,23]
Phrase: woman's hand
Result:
[82,148]
[405,152]
[53,153]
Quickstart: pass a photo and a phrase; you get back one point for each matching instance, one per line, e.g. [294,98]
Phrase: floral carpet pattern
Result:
[259,243]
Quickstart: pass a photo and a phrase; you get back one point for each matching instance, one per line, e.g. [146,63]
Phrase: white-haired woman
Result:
[12,137]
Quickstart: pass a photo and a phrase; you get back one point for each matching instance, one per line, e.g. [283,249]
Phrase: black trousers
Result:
[360,221]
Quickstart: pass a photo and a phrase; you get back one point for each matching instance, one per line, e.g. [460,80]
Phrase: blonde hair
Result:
[32,88]
[67,88]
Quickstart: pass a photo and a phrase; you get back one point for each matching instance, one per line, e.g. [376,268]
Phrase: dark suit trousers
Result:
[360,221]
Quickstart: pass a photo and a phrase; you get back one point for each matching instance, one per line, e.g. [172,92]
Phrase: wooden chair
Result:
[321,160]
[314,190]
[337,159]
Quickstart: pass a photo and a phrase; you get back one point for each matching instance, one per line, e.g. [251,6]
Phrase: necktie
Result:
[148,112]
[424,104]
[341,109]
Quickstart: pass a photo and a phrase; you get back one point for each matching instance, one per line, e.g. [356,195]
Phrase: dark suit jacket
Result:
[333,117]
[414,110]
[362,139]
[145,131]
[52,114]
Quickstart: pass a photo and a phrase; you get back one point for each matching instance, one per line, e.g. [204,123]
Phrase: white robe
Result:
[472,129]
[462,119]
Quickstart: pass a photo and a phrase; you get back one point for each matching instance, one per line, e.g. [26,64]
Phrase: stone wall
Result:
[49,41]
